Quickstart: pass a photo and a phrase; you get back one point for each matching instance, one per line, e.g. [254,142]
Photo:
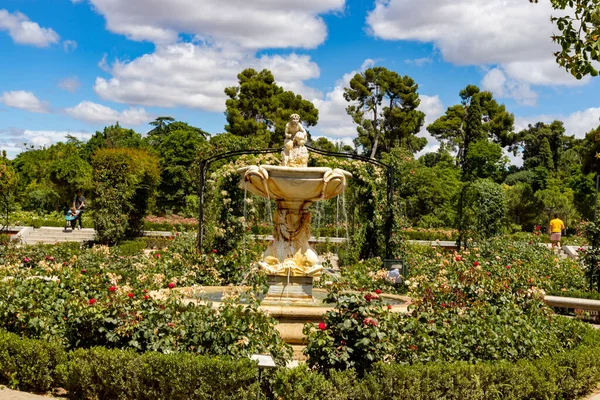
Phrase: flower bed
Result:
[97,296]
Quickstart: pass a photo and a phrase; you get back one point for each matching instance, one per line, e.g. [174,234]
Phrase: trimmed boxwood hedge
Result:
[99,373]
[29,364]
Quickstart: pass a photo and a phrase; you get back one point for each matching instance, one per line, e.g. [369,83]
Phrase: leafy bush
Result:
[125,182]
[131,247]
[28,364]
[484,209]
[114,374]
[359,332]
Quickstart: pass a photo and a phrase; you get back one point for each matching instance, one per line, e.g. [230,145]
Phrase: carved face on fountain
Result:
[294,187]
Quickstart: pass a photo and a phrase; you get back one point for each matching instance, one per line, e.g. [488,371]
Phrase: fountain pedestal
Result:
[293,289]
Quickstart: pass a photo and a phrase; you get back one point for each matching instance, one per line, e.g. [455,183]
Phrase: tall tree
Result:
[544,145]
[178,147]
[259,108]
[477,117]
[384,106]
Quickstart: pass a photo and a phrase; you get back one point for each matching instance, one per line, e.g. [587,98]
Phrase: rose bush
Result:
[477,305]
[87,297]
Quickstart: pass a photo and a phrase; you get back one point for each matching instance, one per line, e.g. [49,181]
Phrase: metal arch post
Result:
[204,165]
[390,222]
[201,205]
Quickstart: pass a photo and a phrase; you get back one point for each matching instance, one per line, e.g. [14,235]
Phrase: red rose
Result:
[83,271]
[215,251]
[130,295]
[171,285]
[112,288]
[508,267]
[92,301]
[458,258]
[389,306]
[322,326]
[157,255]
[26,260]
[146,297]
[171,325]
[378,291]
[475,263]
[443,305]
[368,297]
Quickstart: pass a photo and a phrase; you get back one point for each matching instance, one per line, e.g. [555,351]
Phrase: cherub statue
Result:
[295,135]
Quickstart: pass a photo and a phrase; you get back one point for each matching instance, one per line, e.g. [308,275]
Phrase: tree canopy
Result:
[259,108]
[580,36]
[384,106]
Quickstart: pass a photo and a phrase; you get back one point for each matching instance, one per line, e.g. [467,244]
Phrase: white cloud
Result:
[97,113]
[15,140]
[69,45]
[24,31]
[577,123]
[195,75]
[250,24]
[514,34]
[24,100]
[419,61]
[103,64]
[70,84]
[496,82]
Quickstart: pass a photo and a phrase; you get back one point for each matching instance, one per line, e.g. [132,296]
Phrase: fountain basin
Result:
[294,184]
[291,316]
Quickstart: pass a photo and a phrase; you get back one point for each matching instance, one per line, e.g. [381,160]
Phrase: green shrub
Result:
[28,364]
[125,182]
[359,332]
[99,373]
[4,239]
[131,247]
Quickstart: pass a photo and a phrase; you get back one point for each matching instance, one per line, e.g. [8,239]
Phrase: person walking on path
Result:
[79,205]
[556,228]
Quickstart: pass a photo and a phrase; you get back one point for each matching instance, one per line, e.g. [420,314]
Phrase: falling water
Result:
[337,216]
[346,222]
[245,223]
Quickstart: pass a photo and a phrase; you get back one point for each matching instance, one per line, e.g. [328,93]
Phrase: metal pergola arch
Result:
[205,164]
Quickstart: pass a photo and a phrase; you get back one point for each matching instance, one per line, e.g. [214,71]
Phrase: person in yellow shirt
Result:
[556,228]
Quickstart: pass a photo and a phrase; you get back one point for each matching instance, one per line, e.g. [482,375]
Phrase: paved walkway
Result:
[51,235]
[9,394]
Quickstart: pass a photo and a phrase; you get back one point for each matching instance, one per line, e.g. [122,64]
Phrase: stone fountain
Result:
[290,262]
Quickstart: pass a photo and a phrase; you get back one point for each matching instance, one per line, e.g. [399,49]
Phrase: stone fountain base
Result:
[292,289]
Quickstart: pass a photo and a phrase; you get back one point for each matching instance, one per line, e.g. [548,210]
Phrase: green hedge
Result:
[99,373]
[29,364]
[566,376]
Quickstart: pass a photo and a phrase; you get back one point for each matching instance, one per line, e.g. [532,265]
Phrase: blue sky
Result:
[74,66]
